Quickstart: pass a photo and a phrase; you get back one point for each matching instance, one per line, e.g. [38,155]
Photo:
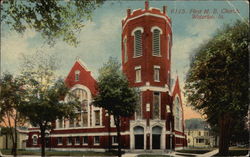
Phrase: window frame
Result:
[125,49]
[77,137]
[33,138]
[96,142]
[84,142]
[138,29]
[157,73]
[138,77]
[95,111]
[139,107]
[159,105]
[113,140]
[60,123]
[61,141]
[169,47]
[77,75]
[178,114]
[154,46]
[69,141]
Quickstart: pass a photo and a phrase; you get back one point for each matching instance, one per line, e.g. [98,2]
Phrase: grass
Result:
[60,153]
[195,151]
[152,155]
[236,153]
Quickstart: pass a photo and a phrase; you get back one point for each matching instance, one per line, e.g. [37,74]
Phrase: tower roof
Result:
[147,11]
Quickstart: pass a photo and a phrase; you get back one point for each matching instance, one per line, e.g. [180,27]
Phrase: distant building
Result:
[199,134]
[6,141]
[158,122]
[200,138]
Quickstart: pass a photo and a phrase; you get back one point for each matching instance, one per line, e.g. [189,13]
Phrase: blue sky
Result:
[101,37]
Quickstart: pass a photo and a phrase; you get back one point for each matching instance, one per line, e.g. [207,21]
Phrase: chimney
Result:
[164,9]
[128,12]
[146,5]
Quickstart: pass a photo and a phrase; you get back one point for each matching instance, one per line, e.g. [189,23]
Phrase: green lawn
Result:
[195,151]
[236,153]
[60,153]
[189,155]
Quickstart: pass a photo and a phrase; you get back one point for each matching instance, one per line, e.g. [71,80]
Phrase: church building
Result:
[158,122]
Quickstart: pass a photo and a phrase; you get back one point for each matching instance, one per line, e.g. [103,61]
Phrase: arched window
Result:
[80,94]
[156,105]
[77,75]
[156,42]
[82,117]
[178,114]
[138,109]
[34,140]
[137,33]
[125,50]
[138,137]
[169,46]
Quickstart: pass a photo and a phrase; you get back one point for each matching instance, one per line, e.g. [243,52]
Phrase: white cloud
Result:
[13,45]
[98,41]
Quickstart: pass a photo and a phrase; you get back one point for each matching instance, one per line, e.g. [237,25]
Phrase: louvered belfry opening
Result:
[156,42]
[138,43]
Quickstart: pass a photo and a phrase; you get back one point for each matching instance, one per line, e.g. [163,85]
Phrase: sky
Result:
[101,37]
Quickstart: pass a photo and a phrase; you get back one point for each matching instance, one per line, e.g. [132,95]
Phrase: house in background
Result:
[6,141]
[199,134]
[157,124]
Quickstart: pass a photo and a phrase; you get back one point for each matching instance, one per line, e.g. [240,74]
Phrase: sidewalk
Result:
[174,154]
[178,154]
[209,153]
[130,155]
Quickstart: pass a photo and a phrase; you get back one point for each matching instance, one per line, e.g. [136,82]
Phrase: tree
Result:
[115,95]
[10,95]
[43,102]
[217,81]
[52,18]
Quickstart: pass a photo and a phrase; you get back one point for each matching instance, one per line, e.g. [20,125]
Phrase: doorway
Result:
[139,137]
[156,137]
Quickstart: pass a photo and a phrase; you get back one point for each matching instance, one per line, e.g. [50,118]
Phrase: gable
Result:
[84,77]
[176,91]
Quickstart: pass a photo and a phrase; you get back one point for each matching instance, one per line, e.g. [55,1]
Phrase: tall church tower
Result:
[146,61]
[146,47]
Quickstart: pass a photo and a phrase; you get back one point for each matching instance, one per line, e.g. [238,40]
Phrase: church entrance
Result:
[156,137]
[139,137]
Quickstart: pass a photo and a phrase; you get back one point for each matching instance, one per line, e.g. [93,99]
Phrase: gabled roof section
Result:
[78,60]
[176,90]
[85,77]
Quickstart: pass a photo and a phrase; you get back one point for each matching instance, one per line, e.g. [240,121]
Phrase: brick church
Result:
[146,61]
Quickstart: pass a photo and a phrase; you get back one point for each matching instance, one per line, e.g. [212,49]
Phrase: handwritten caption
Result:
[205,13]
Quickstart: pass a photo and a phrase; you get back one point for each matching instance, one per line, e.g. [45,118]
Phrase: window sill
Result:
[156,55]
[137,81]
[96,144]
[85,144]
[59,144]
[114,144]
[137,56]
[157,81]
